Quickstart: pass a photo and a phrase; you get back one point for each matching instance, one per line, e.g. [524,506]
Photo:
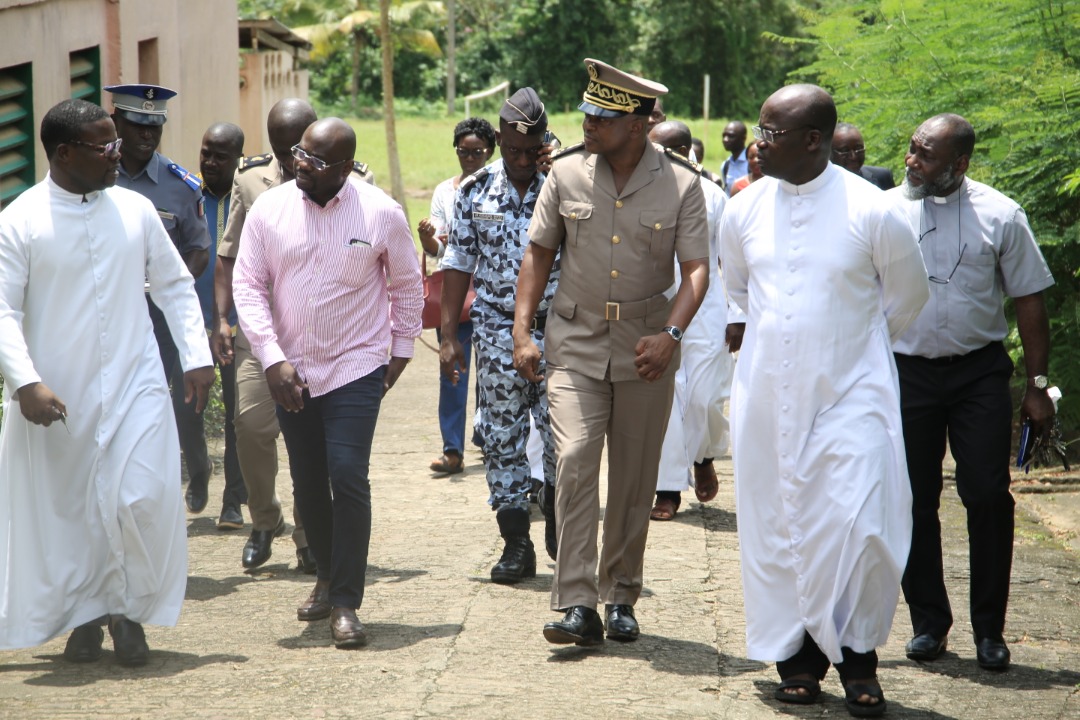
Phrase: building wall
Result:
[265,78]
[196,55]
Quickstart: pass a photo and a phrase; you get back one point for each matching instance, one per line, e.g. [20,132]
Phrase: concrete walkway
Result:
[446,642]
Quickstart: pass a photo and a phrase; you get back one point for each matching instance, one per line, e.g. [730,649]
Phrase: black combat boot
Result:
[518,559]
[547,506]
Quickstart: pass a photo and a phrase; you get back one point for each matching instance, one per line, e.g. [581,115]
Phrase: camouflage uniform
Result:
[488,240]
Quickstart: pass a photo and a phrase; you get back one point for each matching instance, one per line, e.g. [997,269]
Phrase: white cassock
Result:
[697,427]
[91,522]
[827,273]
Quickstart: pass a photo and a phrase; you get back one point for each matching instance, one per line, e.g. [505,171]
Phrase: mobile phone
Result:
[550,139]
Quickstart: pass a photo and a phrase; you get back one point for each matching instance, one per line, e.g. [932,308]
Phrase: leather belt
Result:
[538,321]
[615,311]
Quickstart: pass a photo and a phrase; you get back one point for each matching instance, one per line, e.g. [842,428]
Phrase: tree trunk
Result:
[451,58]
[397,187]
[354,86]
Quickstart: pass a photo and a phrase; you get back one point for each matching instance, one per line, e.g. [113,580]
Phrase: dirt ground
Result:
[446,642]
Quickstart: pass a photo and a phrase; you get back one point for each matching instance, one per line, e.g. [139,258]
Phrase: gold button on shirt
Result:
[618,203]
[615,239]
[614,273]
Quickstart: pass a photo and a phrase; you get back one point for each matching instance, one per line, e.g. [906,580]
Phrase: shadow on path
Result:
[679,657]
[57,672]
[381,636]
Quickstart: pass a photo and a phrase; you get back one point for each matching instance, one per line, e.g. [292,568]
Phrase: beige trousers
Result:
[632,416]
[256,442]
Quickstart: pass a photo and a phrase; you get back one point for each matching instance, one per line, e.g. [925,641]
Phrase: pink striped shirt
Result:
[332,289]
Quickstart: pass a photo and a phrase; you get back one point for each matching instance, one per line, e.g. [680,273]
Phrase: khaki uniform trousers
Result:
[633,416]
[257,430]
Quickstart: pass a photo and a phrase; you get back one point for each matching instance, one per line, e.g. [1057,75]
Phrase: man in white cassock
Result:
[828,270]
[697,429]
[91,517]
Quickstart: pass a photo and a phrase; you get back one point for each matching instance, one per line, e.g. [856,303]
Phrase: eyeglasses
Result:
[301,155]
[854,152]
[770,135]
[470,152]
[112,148]
[946,281]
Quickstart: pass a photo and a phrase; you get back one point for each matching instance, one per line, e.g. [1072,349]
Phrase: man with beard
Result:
[827,272]
[954,379]
[487,240]
[91,525]
[140,113]
[327,287]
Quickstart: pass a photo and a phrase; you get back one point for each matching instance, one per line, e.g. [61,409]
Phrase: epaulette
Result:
[359,168]
[568,150]
[474,178]
[189,178]
[683,160]
[254,161]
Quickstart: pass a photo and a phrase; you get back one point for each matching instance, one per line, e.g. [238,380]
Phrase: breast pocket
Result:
[355,261]
[575,216]
[660,224]
[172,226]
[976,272]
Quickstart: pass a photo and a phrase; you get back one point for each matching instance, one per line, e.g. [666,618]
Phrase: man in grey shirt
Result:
[954,379]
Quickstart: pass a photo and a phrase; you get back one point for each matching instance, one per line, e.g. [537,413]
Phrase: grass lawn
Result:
[426,152]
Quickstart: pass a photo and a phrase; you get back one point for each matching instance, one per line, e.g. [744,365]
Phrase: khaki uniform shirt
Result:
[618,255]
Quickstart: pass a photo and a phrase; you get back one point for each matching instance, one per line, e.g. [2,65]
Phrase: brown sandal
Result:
[706,485]
[448,464]
[664,509]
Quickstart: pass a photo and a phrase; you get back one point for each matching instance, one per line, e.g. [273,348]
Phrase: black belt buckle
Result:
[538,322]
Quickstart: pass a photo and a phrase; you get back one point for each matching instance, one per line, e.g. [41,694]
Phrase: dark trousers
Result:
[810,660]
[329,446]
[454,398]
[966,399]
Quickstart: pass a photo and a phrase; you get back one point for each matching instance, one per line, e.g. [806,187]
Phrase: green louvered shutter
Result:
[16,132]
[86,75]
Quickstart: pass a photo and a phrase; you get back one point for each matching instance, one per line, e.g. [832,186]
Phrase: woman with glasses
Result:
[474,143]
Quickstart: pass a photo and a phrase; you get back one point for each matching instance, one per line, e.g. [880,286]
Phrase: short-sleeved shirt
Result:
[178,205]
[980,241]
[217,216]
[488,237]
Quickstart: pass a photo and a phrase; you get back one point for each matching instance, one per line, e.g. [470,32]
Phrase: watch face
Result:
[1041,381]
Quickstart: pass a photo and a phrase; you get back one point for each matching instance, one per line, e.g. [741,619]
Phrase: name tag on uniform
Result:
[166,215]
[488,217]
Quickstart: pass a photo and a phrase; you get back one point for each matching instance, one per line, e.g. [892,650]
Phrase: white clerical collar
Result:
[950,199]
[68,196]
[812,186]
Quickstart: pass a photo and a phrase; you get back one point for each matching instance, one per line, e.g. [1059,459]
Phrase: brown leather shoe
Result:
[664,509]
[346,629]
[450,463]
[317,605]
[706,485]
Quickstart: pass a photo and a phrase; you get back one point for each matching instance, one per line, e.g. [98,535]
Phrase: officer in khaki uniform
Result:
[256,421]
[621,212]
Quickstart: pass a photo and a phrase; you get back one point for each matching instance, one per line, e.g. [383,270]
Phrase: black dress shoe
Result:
[925,647]
[84,643]
[129,642]
[518,562]
[992,654]
[305,560]
[346,629]
[257,549]
[196,496]
[317,606]
[621,624]
[581,625]
[230,518]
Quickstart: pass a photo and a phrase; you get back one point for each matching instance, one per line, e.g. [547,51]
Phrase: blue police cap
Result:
[141,104]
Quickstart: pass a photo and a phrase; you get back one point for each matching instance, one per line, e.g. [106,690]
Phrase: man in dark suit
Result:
[849,152]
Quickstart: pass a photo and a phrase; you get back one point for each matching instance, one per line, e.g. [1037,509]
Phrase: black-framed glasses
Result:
[301,155]
[854,152]
[945,281]
[471,152]
[111,148]
[769,136]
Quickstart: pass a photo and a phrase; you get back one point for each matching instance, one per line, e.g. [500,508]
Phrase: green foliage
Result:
[1008,67]
[682,40]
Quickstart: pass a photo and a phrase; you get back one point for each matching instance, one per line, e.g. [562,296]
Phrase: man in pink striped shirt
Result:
[327,285]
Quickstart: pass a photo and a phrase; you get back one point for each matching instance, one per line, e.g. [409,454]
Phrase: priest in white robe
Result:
[91,517]
[827,271]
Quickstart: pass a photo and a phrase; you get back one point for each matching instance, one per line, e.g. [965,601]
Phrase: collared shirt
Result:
[488,237]
[734,168]
[178,206]
[330,289]
[217,215]
[1000,257]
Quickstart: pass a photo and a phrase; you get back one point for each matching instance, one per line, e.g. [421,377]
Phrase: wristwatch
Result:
[1040,381]
[674,332]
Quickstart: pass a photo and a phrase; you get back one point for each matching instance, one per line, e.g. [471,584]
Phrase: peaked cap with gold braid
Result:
[613,93]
